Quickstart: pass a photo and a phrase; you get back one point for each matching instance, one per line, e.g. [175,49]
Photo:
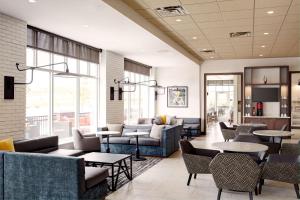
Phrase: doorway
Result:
[223,99]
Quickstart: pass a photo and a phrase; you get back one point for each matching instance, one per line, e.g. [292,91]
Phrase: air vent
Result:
[240,34]
[171,11]
[208,51]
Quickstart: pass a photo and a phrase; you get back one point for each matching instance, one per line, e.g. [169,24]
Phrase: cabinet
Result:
[272,123]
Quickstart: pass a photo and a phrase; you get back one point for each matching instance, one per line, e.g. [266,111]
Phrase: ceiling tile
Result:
[179,27]
[172,20]
[267,27]
[217,24]
[196,1]
[292,18]
[239,22]
[271,3]
[202,8]
[207,17]
[216,33]
[234,15]
[294,9]
[236,5]
[190,32]
[262,12]
[161,3]
[268,20]
[241,41]
[294,25]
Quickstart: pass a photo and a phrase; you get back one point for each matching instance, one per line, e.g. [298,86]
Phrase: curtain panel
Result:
[136,67]
[43,40]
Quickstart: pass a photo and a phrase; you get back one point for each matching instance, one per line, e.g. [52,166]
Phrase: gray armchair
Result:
[87,143]
[235,171]
[196,160]
[228,133]
[284,167]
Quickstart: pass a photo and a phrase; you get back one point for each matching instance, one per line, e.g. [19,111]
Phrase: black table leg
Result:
[137,151]
[107,149]
[130,167]
[113,188]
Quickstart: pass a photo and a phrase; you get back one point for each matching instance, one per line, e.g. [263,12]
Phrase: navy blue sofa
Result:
[163,147]
[48,177]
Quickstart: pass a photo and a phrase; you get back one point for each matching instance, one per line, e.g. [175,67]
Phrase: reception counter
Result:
[272,122]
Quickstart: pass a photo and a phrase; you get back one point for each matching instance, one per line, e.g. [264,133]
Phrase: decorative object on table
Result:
[265,80]
[196,160]
[177,96]
[235,171]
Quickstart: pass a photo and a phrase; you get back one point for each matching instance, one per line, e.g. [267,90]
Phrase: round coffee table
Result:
[273,133]
[137,150]
[242,147]
[107,133]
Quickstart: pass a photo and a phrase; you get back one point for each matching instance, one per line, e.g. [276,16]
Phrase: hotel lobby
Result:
[149,99]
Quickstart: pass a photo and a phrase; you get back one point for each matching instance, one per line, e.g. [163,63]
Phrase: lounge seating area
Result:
[149,99]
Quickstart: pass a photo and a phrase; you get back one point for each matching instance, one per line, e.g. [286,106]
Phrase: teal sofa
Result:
[47,177]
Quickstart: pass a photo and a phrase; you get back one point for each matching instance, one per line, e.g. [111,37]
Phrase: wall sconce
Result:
[112,93]
[298,82]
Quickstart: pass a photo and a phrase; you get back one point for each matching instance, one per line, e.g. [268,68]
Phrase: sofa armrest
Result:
[170,139]
[292,149]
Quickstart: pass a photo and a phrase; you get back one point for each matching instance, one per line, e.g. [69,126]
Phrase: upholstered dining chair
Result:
[228,133]
[87,143]
[196,160]
[235,171]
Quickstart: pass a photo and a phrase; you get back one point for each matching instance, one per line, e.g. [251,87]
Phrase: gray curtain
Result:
[135,67]
[43,40]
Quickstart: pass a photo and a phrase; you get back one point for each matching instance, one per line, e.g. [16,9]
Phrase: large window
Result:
[136,104]
[56,104]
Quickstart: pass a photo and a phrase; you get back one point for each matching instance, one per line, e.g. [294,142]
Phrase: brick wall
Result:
[111,67]
[13,39]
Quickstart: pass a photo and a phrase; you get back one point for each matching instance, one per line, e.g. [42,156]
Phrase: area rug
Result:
[138,167]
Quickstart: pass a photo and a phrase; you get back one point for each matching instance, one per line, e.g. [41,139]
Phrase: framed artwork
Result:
[177,96]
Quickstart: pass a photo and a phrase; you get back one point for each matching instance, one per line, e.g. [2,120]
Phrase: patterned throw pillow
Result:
[157,121]
[170,120]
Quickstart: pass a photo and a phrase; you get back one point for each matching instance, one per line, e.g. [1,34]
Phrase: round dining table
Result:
[241,147]
[137,150]
[107,133]
[273,134]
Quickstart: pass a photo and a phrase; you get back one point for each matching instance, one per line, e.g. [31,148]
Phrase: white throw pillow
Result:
[156,131]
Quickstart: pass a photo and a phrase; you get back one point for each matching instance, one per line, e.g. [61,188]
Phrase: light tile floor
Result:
[167,181]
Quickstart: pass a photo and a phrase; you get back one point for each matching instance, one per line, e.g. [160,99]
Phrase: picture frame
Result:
[177,96]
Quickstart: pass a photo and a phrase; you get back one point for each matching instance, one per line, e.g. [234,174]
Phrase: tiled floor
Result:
[167,181]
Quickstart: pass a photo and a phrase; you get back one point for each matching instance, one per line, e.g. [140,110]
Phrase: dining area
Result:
[247,160]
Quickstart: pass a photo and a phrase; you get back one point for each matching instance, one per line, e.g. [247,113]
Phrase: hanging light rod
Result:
[66,73]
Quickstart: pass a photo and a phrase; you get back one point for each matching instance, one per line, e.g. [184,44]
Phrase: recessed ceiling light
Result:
[194,38]
[260,55]
[32,1]
[270,12]
[263,46]
[178,20]
[266,33]
[85,25]
[212,57]
[204,49]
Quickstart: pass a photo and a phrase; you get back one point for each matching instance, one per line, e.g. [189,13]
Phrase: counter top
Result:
[276,117]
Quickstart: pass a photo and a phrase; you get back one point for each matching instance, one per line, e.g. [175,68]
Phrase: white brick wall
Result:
[111,67]
[13,39]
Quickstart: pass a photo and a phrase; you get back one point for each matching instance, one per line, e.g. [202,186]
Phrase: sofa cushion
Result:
[117,140]
[156,131]
[191,126]
[191,120]
[115,127]
[145,120]
[38,145]
[66,152]
[94,176]
[146,141]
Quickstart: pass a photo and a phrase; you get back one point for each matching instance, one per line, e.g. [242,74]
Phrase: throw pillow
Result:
[156,131]
[163,119]
[115,127]
[170,120]
[157,121]
[7,145]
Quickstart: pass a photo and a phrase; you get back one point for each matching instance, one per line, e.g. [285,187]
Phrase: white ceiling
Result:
[107,28]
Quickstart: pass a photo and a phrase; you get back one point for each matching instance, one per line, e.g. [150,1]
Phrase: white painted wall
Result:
[237,65]
[13,37]
[179,76]
[111,67]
